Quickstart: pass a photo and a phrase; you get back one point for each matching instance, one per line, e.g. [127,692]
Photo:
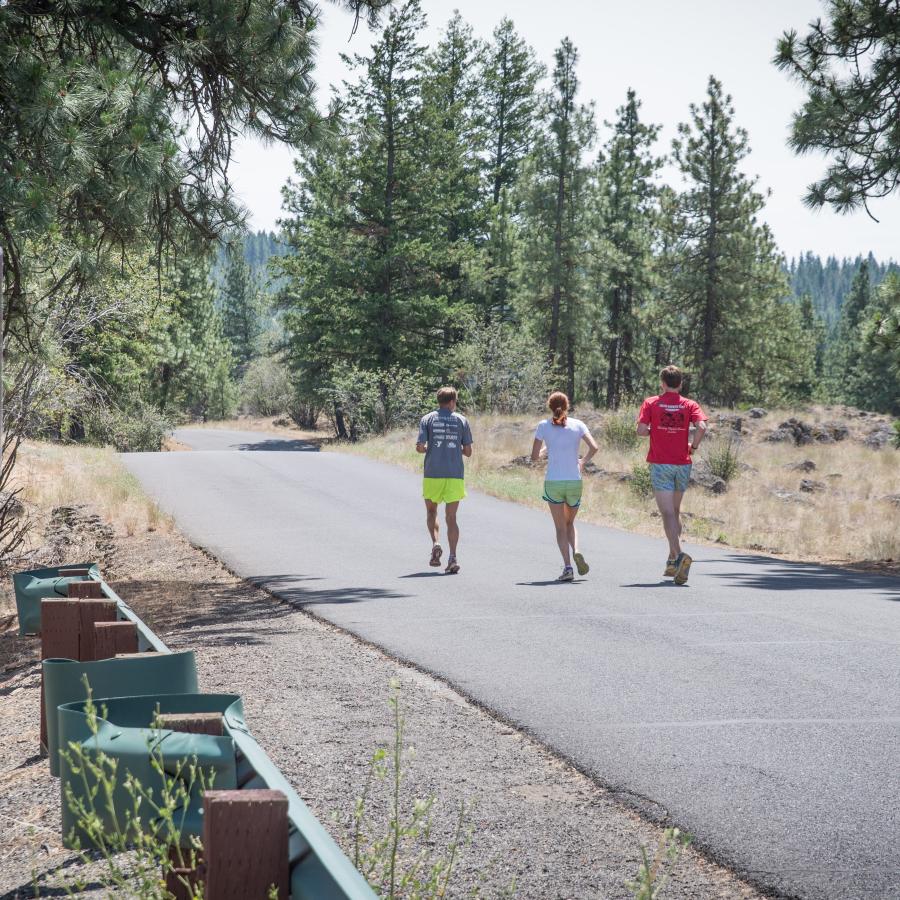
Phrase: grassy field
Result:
[845,521]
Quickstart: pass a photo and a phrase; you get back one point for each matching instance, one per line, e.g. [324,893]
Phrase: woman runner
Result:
[562,435]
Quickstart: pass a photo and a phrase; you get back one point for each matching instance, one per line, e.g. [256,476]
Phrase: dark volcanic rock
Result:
[806,465]
[808,486]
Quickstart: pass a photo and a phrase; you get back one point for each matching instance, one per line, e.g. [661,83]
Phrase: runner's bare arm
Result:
[588,438]
[699,434]
[536,449]
[467,450]
[643,429]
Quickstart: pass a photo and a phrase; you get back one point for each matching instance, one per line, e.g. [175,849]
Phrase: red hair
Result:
[559,406]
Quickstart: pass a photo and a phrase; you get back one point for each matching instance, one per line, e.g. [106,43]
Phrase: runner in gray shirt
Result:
[445,438]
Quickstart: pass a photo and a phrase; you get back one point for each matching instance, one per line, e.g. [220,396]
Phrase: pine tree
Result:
[848,65]
[815,328]
[555,199]
[366,285]
[509,81]
[725,267]
[241,309]
[628,198]
[452,142]
[845,347]
[510,78]
[194,368]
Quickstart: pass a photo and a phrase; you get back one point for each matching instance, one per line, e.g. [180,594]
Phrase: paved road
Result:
[759,707]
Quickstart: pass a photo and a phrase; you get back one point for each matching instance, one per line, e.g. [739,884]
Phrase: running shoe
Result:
[682,568]
[452,566]
[436,552]
[567,574]
[670,568]
[581,564]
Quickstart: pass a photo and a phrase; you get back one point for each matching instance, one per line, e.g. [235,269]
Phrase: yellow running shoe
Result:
[581,564]
[670,568]
[682,568]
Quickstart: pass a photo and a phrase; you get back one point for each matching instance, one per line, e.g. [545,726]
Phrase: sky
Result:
[666,50]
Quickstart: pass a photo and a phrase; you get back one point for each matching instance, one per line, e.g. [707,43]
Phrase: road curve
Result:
[757,707]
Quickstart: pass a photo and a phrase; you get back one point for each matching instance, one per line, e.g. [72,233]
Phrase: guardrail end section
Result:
[245,844]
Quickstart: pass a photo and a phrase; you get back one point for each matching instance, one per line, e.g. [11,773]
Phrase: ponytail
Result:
[559,406]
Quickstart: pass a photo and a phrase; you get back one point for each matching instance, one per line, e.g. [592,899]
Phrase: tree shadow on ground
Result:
[280,444]
[783,575]
[204,607]
[291,589]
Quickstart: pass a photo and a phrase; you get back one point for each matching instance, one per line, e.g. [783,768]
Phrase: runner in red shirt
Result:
[667,419]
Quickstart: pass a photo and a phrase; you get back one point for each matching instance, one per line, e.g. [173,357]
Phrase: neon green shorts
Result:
[568,492]
[443,490]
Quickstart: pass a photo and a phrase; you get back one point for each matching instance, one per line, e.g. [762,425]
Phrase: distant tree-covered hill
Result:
[259,247]
[828,282]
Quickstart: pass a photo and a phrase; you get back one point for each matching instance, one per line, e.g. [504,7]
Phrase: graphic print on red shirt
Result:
[670,416]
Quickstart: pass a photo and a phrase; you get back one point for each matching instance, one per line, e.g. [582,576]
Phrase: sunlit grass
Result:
[54,475]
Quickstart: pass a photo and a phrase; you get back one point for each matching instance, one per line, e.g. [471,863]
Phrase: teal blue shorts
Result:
[669,478]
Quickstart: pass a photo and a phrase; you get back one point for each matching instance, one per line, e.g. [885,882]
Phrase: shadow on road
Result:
[547,583]
[781,575]
[280,444]
[435,574]
[650,584]
[290,589]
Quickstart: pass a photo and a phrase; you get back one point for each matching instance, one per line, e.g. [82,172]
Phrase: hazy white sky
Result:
[665,50]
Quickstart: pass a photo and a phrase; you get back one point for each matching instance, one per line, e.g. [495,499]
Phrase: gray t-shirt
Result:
[445,433]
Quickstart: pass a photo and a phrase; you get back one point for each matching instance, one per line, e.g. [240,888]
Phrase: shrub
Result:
[895,440]
[138,427]
[724,456]
[640,483]
[619,431]
[365,402]
[266,388]
[503,370]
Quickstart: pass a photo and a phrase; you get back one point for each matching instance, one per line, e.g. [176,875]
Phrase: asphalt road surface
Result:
[758,707]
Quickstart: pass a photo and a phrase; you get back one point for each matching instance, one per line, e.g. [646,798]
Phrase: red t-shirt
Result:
[670,416]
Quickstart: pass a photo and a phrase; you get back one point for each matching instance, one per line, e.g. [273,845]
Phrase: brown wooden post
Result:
[111,638]
[60,621]
[245,844]
[74,572]
[86,590]
[89,612]
[181,878]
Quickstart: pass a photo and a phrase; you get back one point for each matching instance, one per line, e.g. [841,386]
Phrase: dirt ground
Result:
[316,699]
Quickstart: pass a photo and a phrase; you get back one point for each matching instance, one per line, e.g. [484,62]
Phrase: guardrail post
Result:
[60,621]
[245,844]
[86,590]
[89,613]
[111,638]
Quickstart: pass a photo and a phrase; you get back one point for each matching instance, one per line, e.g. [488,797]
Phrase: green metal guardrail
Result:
[128,692]
[38,584]
[163,673]
[318,867]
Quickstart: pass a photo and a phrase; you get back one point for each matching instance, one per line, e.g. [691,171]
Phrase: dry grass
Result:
[63,475]
[846,523]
